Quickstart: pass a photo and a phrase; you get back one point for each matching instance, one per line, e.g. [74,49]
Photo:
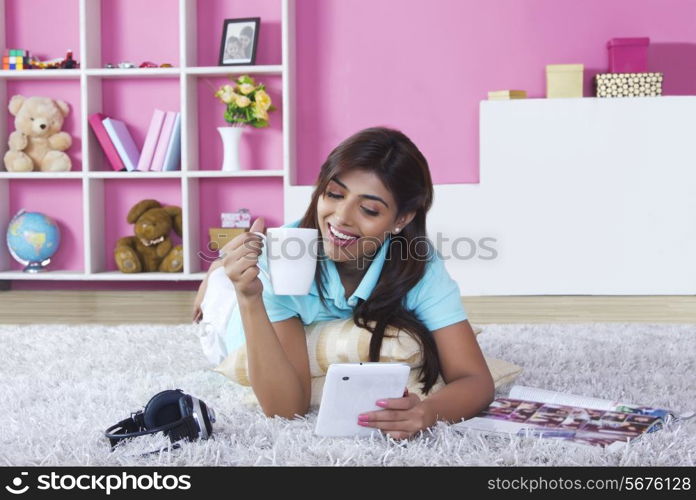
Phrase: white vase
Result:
[230,148]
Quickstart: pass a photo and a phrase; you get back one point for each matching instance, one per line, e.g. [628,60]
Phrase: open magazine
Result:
[528,411]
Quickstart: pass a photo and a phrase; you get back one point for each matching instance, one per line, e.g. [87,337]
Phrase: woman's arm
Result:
[470,386]
[278,360]
[277,357]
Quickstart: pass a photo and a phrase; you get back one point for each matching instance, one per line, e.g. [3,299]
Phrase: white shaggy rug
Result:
[61,386]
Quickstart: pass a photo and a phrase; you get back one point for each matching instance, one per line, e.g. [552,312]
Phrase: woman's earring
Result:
[396,230]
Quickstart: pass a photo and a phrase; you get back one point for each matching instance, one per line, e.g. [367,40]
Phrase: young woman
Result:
[377,266]
[245,38]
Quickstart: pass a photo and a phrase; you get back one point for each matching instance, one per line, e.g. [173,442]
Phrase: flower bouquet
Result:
[247,103]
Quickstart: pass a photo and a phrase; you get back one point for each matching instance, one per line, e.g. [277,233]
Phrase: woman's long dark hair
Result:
[403,170]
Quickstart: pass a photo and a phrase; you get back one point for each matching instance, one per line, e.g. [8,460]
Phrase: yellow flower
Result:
[242,101]
[260,112]
[246,79]
[263,99]
[246,88]
[226,94]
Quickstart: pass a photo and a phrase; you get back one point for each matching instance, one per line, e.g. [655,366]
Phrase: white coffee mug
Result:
[291,257]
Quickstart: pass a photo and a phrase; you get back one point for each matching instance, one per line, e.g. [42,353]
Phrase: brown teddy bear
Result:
[38,143]
[151,248]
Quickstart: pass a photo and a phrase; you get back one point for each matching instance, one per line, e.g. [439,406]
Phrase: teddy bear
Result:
[37,142]
[151,248]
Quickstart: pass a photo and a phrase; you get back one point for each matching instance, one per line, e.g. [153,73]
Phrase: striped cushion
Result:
[341,341]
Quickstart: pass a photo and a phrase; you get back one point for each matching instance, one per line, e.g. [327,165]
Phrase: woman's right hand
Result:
[241,256]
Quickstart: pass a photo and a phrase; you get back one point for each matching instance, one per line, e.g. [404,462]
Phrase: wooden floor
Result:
[117,307]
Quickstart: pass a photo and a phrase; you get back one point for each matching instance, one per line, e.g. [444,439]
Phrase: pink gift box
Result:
[628,55]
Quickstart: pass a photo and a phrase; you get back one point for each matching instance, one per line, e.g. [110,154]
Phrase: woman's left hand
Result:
[401,418]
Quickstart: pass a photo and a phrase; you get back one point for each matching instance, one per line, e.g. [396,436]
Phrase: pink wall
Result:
[424,67]
[138,30]
[45,38]
[419,67]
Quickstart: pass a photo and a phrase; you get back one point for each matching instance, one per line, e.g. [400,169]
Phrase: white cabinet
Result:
[585,196]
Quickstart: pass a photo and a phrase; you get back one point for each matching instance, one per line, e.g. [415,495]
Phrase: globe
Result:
[33,238]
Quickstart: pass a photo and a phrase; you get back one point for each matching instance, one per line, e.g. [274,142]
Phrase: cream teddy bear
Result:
[38,143]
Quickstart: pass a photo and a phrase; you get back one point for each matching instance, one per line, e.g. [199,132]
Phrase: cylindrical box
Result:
[564,80]
[628,55]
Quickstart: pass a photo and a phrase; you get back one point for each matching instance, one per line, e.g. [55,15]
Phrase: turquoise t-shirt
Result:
[435,299]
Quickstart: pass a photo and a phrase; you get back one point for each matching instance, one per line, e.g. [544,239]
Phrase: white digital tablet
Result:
[353,388]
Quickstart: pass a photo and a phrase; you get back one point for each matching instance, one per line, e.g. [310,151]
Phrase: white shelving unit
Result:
[90,76]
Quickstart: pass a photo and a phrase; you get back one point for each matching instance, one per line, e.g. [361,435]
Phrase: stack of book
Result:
[161,150]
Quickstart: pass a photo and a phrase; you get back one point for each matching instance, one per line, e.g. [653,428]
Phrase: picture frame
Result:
[239,41]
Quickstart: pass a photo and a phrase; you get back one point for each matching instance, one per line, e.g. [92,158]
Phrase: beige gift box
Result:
[504,95]
[564,80]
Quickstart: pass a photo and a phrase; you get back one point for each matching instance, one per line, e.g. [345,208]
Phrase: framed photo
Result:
[239,39]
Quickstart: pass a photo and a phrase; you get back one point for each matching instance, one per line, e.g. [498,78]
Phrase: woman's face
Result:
[357,205]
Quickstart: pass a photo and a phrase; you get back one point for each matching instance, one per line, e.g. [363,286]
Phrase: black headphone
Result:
[178,415]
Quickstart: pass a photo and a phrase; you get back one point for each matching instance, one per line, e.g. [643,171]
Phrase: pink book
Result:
[163,141]
[151,140]
[95,121]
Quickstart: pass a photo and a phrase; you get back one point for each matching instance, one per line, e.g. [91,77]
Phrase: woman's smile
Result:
[340,238]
